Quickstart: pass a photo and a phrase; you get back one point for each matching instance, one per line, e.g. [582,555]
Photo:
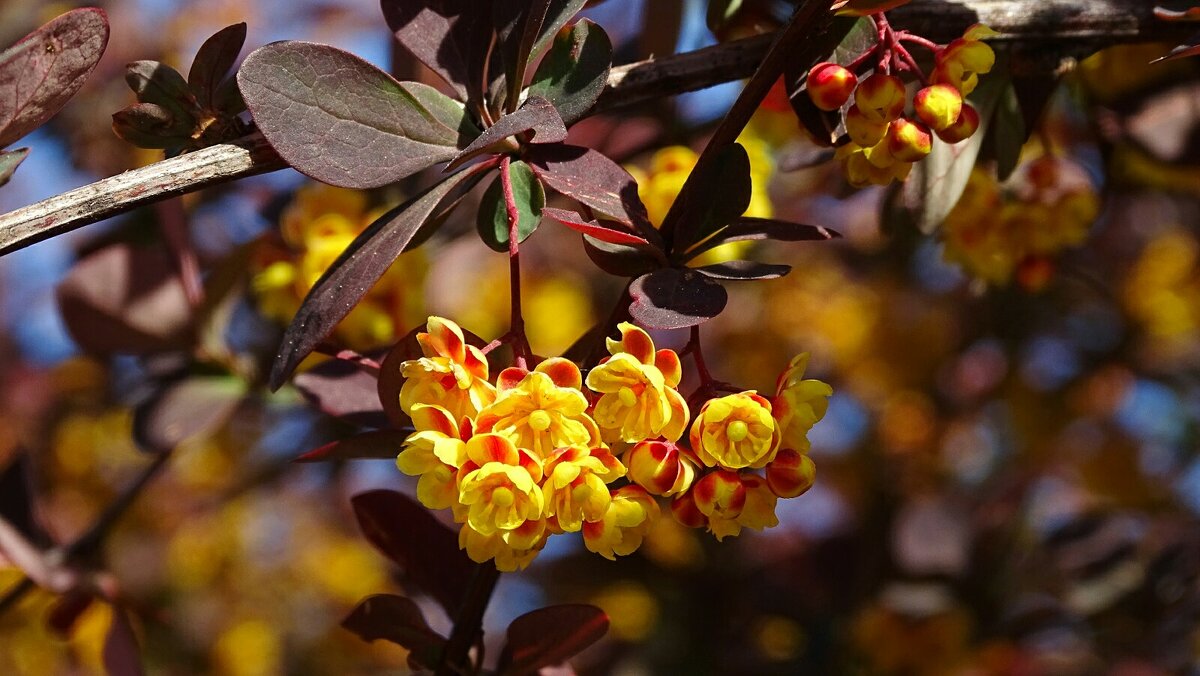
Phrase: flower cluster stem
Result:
[468,623]
[520,341]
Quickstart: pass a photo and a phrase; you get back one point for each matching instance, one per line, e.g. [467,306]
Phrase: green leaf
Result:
[357,269]
[859,38]
[722,194]
[9,161]
[1008,133]
[936,182]
[575,71]
[343,121]
[530,198]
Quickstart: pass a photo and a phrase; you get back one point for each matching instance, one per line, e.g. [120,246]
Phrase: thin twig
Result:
[468,623]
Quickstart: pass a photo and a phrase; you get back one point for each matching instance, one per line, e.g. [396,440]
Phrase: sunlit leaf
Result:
[399,620]
[39,74]
[575,71]
[492,218]
[214,60]
[426,549]
[537,116]
[374,445]
[518,23]
[451,37]
[356,270]
[597,229]
[671,298]
[9,161]
[343,390]
[750,229]
[341,120]
[1190,48]
[1190,14]
[550,636]
[592,179]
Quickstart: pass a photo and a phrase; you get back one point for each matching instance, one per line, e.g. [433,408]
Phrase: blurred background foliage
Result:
[1009,477]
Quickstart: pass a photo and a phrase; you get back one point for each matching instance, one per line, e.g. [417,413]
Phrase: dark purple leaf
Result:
[857,35]
[671,298]
[608,231]
[186,408]
[559,15]
[530,198]
[1190,14]
[743,270]
[518,23]
[343,390]
[342,121]
[39,74]
[126,299]
[550,636]
[66,611]
[409,535]
[1008,133]
[16,500]
[449,36]
[721,194]
[163,86]
[375,445]
[575,71]
[593,179]
[353,274]
[1190,48]
[537,115]
[9,161]
[622,260]
[214,60]
[148,125]
[399,620]
[749,229]
[122,657]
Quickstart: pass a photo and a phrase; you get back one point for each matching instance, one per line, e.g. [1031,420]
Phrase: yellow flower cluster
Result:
[317,226]
[995,233]
[541,452]
[1162,290]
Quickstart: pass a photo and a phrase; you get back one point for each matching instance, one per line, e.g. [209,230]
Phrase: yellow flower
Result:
[791,473]
[542,410]
[499,485]
[575,488]
[496,546]
[434,452]
[452,374]
[639,400]
[962,61]
[661,467]
[756,506]
[621,530]
[799,403]
[735,431]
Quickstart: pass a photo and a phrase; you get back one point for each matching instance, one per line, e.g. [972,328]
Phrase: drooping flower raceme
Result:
[452,374]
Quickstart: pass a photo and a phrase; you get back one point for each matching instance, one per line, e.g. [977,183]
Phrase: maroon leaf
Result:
[122,657]
[353,274]
[186,408]
[1182,51]
[592,179]
[342,121]
[66,611]
[576,70]
[721,194]
[163,86]
[149,125]
[550,636]
[749,228]
[603,231]
[399,620]
[449,36]
[671,298]
[9,161]
[622,260]
[39,74]
[1190,14]
[518,23]
[126,299]
[16,500]
[374,445]
[743,270]
[409,535]
[343,390]
[214,60]
[537,115]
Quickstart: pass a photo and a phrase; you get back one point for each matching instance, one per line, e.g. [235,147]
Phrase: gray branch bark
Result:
[1066,27]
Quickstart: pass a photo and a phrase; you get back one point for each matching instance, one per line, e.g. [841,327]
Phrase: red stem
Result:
[521,350]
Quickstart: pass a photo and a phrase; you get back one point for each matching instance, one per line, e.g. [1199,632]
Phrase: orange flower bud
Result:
[909,141]
[830,85]
[660,467]
[791,473]
[863,131]
[938,106]
[880,97]
[720,494]
[964,127]
[685,511]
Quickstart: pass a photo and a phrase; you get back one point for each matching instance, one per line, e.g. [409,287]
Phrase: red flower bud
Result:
[791,473]
[964,127]
[830,85]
